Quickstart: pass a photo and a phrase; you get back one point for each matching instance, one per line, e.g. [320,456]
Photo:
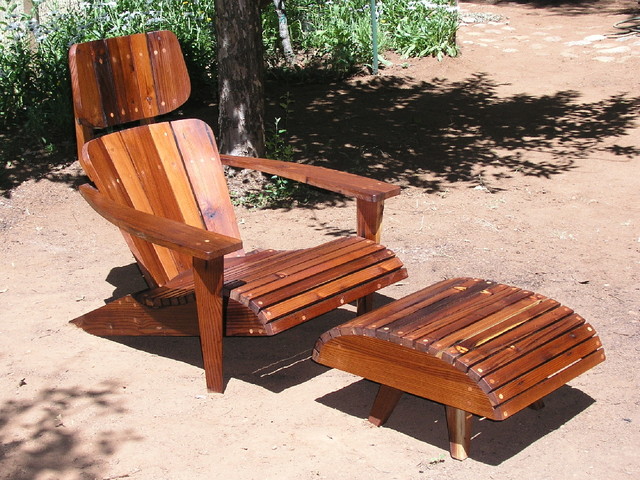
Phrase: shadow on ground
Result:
[427,134]
[492,442]
[571,7]
[36,441]
[275,363]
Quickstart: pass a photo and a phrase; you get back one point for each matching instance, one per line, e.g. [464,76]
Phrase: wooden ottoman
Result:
[476,346]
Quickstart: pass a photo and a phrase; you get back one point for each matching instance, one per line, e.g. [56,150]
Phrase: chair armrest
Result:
[172,234]
[345,183]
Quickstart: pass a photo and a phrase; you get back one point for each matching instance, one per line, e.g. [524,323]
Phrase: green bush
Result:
[337,33]
[34,78]
[35,98]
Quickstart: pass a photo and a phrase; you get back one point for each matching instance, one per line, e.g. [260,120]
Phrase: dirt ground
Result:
[519,162]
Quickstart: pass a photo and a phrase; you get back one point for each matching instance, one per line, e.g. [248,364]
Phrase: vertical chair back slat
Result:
[126,79]
[200,152]
[161,169]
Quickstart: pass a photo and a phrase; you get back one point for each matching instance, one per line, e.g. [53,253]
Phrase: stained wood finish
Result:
[164,186]
[208,287]
[384,404]
[271,291]
[147,169]
[332,180]
[459,428]
[125,79]
[476,346]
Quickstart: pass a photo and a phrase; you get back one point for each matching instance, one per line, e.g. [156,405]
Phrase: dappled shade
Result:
[452,131]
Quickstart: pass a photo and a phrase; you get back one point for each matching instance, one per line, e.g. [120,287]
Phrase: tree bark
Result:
[240,77]
[283,30]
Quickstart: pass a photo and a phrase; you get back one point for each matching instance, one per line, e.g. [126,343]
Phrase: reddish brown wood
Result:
[459,427]
[123,79]
[208,277]
[192,241]
[404,369]
[127,316]
[325,178]
[384,404]
[164,186]
[492,350]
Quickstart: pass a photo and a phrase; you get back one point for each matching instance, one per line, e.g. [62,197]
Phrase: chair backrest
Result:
[126,79]
[169,169]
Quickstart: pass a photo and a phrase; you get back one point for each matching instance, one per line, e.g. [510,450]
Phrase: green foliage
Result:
[333,36]
[34,78]
[420,28]
[336,35]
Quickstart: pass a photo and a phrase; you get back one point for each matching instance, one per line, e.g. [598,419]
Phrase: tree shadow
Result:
[570,7]
[427,134]
[492,442]
[35,440]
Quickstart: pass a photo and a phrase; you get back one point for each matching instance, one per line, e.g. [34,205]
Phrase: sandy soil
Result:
[519,162]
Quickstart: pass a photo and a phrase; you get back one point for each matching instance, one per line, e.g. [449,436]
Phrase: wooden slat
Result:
[331,288]
[544,370]
[124,79]
[171,79]
[423,336]
[512,350]
[148,186]
[346,295]
[108,98]
[448,322]
[548,385]
[202,162]
[424,317]
[108,180]
[147,104]
[285,261]
[501,317]
[510,318]
[315,259]
[176,175]
[86,92]
[522,329]
[312,277]
[560,348]
[369,323]
[452,333]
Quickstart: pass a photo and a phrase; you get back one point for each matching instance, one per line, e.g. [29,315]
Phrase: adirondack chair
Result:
[163,185]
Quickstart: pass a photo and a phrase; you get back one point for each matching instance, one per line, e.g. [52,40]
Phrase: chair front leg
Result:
[208,280]
[370,227]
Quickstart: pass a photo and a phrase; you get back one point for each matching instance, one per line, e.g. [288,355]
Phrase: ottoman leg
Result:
[383,405]
[459,426]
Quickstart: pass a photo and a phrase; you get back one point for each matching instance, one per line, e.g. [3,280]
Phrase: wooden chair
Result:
[476,346]
[163,184]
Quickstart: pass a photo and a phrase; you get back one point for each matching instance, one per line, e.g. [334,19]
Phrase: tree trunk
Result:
[240,77]
[283,30]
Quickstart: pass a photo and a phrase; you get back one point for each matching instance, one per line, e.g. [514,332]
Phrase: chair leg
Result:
[208,280]
[383,405]
[459,426]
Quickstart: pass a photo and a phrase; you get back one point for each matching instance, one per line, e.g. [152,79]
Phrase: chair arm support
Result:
[336,181]
[172,234]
